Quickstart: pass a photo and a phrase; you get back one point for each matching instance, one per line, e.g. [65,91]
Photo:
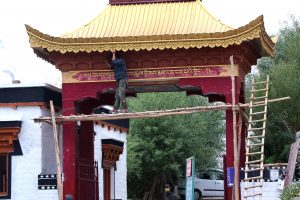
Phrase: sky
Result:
[56,17]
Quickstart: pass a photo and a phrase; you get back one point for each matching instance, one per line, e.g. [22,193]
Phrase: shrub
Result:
[290,192]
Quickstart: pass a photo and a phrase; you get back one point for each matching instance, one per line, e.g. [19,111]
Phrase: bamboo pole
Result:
[147,114]
[240,125]
[57,153]
[235,142]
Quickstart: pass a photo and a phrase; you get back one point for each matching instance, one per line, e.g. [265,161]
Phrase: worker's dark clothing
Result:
[119,67]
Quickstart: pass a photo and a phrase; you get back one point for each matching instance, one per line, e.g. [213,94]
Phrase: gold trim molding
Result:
[162,73]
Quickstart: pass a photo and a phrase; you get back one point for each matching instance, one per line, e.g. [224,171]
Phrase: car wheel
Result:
[197,195]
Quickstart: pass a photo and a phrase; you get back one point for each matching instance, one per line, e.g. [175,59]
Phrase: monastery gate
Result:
[167,45]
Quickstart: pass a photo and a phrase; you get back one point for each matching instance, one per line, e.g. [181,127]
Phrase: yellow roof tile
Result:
[151,19]
[153,26]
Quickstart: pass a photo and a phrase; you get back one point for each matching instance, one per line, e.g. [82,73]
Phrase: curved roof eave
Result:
[253,31]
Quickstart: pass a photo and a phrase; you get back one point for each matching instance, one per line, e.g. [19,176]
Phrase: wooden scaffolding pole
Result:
[147,114]
[235,142]
[57,153]
[292,162]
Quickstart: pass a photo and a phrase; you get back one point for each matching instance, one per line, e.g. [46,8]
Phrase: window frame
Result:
[9,131]
[6,192]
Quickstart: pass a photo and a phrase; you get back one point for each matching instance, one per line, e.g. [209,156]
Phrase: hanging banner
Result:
[190,178]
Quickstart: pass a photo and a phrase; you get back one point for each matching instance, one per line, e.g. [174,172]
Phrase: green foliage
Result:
[284,71]
[290,192]
[159,146]
[264,65]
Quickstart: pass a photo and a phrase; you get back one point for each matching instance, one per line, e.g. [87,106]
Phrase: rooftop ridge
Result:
[122,2]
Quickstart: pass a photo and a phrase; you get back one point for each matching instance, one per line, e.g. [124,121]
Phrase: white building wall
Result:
[48,195]
[48,150]
[121,171]
[271,190]
[25,168]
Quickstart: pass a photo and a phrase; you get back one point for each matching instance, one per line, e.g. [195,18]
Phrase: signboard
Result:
[274,174]
[190,178]
[189,165]
[160,73]
[230,176]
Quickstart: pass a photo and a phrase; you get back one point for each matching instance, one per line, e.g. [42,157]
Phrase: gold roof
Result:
[159,19]
[153,26]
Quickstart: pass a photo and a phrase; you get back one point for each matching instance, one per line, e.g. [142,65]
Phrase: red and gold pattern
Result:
[150,73]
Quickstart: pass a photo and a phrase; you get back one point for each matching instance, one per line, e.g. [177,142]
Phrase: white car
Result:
[209,184]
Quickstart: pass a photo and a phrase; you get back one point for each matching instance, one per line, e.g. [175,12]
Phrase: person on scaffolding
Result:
[119,67]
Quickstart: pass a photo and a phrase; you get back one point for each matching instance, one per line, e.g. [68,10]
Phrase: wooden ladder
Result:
[256,139]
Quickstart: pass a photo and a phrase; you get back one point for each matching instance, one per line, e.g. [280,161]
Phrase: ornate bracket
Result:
[111,151]
[7,137]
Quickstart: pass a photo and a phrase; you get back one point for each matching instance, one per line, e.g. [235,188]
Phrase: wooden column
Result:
[107,183]
[111,151]
[69,149]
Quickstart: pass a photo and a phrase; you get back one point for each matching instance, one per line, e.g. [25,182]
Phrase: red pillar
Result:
[225,177]
[69,149]
[243,147]
[229,148]
[244,128]
[239,96]
[229,141]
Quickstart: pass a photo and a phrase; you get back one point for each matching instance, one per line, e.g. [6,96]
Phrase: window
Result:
[204,175]
[9,146]
[219,175]
[4,174]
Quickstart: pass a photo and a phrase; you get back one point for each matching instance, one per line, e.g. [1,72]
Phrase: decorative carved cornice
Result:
[18,104]
[113,126]
[111,154]
[7,137]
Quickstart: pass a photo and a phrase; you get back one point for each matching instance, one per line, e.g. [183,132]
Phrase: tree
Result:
[284,70]
[158,147]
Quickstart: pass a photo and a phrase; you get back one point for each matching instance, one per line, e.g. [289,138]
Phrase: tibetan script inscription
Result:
[152,73]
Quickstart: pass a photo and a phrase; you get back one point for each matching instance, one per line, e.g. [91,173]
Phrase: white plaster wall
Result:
[48,194]
[271,190]
[48,148]
[25,168]
[98,157]
[121,172]
[121,176]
